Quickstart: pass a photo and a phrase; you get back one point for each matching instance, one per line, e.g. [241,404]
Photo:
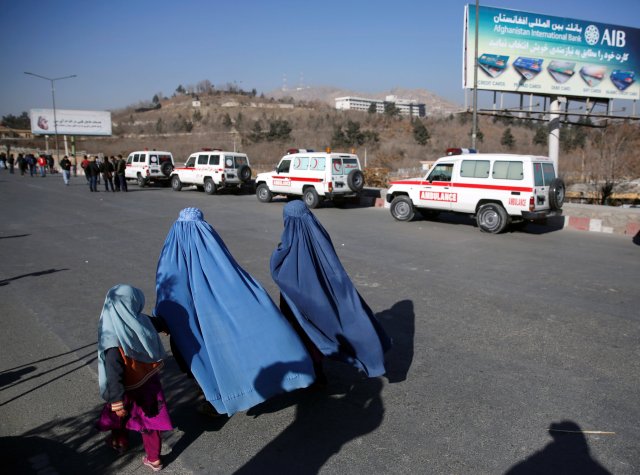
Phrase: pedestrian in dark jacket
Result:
[116,178]
[50,163]
[65,166]
[31,162]
[121,166]
[11,162]
[107,173]
[22,164]
[92,171]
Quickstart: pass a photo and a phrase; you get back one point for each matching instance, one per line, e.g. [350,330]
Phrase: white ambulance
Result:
[211,170]
[146,166]
[497,189]
[314,176]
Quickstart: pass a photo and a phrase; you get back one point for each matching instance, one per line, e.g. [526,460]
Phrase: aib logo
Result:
[609,37]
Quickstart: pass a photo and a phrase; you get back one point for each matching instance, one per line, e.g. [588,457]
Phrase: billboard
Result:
[70,122]
[541,54]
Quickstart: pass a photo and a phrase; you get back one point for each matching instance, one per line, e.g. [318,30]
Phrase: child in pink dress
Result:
[129,359]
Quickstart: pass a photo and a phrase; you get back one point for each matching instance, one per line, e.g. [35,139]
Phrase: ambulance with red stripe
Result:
[498,189]
[314,176]
[211,170]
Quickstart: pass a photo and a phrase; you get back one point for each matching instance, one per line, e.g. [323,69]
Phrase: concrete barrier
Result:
[602,219]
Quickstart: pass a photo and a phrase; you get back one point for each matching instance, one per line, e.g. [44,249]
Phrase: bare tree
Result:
[204,87]
[608,161]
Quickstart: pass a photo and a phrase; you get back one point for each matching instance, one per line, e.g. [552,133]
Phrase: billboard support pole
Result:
[53,97]
[554,130]
[474,130]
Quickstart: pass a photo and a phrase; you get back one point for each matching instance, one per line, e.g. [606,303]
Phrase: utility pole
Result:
[53,98]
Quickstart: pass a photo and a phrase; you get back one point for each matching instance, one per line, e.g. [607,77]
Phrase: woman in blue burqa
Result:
[223,322]
[316,290]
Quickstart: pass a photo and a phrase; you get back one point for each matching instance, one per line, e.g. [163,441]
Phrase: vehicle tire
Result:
[176,184]
[166,168]
[311,198]
[492,218]
[556,194]
[402,208]
[244,173]
[355,180]
[263,193]
[209,186]
[141,181]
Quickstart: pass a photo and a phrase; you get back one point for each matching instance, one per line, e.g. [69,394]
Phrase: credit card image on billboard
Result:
[592,74]
[561,71]
[622,79]
[528,67]
[493,64]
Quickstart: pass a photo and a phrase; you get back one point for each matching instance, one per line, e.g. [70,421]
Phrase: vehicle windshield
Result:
[441,172]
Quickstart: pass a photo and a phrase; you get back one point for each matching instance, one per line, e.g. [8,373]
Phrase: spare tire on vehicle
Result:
[355,180]
[244,173]
[556,194]
[166,168]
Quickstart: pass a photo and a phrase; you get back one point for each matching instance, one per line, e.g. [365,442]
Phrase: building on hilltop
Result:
[406,107]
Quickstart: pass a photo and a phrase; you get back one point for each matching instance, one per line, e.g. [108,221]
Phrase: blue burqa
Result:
[322,297]
[222,320]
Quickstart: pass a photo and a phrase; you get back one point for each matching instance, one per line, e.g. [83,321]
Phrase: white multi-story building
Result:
[406,107]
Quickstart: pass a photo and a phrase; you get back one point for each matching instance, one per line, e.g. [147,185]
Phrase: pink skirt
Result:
[146,407]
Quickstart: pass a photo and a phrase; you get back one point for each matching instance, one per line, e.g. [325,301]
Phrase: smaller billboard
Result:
[70,122]
[541,54]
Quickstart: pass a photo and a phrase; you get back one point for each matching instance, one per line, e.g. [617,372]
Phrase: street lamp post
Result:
[53,98]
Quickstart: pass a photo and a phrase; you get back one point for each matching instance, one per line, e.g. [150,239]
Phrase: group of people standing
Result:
[41,164]
[110,169]
[226,332]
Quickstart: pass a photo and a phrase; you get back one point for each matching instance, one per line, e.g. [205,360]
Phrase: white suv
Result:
[497,188]
[314,176]
[212,170]
[146,166]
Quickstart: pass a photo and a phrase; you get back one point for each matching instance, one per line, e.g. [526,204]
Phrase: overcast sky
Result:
[125,51]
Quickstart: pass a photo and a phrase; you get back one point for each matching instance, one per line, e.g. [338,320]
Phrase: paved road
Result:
[497,338]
